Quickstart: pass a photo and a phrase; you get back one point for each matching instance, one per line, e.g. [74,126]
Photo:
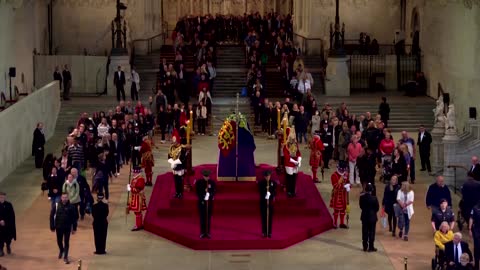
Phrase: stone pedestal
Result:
[124,62]
[437,159]
[450,146]
[338,79]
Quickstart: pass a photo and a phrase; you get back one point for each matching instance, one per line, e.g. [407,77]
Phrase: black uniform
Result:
[136,142]
[424,148]
[63,219]
[38,149]
[327,139]
[475,218]
[179,170]
[369,206]
[266,206]
[8,231]
[100,226]
[205,207]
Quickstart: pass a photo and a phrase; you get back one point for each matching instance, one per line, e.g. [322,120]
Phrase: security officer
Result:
[369,206]
[267,190]
[444,213]
[100,224]
[205,192]
[474,228]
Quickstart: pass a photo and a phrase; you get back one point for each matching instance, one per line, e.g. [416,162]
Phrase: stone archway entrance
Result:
[415,26]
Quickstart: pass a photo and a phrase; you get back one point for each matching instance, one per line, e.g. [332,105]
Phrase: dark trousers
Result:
[178,184]
[205,213]
[291,183]
[66,89]
[120,91]
[136,158]
[4,241]
[412,170]
[39,155]
[327,155]
[202,125]
[63,241]
[162,131]
[425,160]
[392,222]
[257,111]
[267,218]
[368,235]
[103,185]
[77,206]
[133,91]
[100,235]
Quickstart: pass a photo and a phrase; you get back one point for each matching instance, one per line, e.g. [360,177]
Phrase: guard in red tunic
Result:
[292,161]
[340,190]
[147,159]
[137,202]
[316,149]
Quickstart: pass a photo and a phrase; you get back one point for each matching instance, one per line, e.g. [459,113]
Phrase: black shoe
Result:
[400,234]
[202,236]
[317,181]
[99,253]
[343,226]
[393,234]
[209,236]
[289,195]
[405,238]
[60,255]
[372,250]
[422,170]
[9,250]
[180,196]
[264,235]
[270,236]
[66,261]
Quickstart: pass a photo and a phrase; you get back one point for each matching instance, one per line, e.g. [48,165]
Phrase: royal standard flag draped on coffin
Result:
[227,145]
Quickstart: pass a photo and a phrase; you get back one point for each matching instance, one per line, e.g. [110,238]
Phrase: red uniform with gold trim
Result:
[316,149]
[137,196]
[147,160]
[339,200]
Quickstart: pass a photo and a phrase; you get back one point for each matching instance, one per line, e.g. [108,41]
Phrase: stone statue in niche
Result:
[439,112]
[450,119]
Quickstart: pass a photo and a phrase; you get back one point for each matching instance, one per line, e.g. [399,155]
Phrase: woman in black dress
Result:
[399,166]
[389,199]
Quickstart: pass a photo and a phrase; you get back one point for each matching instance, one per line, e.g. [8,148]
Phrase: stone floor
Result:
[336,249]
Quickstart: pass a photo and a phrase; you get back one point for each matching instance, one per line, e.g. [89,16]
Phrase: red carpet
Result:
[236,223]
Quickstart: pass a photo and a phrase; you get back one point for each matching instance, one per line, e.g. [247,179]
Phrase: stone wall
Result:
[19,121]
[379,19]
[23,27]
[450,42]
[88,72]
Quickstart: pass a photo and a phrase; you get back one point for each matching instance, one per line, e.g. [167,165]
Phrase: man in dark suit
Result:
[8,231]
[454,249]
[205,188]
[119,82]
[384,111]
[67,82]
[63,221]
[267,190]
[100,224]
[38,150]
[369,206]
[57,76]
[326,135]
[474,170]
[424,141]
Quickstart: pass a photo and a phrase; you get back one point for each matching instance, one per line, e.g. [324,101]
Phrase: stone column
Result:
[124,62]
[337,80]
[450,146]
[438,133]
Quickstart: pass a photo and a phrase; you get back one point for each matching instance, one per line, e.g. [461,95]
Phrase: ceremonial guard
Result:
[100,224]
[316,149]
[147,159]
[8,229]
[136,146]
[137,202]
[474,227]
[205,188]
[326,135]
[292,161]
[339,198]
[177,159]
[268,190]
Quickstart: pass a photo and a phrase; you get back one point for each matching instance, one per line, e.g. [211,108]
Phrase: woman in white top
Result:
[404,209]
[103,128]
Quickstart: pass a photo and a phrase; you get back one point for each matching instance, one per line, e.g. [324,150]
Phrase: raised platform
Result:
[236,221]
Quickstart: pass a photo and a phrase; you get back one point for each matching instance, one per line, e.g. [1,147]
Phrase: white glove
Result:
[129,188]
[137,148]
[268,195]
[325,144]
[294,161]
[347,187]
[299,162]
[207,196]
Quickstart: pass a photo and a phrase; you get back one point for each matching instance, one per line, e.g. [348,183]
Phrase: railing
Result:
[457,186]
[353,46]
[305,44]
[151,44]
